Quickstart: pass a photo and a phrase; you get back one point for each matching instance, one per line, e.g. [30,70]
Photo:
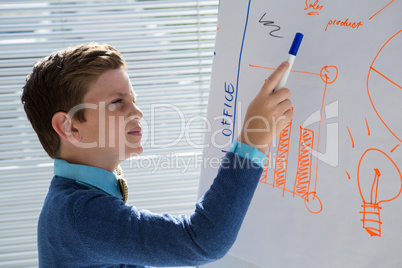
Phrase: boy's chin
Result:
[135,152]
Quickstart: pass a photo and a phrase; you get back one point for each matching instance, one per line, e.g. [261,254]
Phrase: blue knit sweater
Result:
[84,227]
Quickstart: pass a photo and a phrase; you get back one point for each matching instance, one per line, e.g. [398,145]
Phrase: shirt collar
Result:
[99,178]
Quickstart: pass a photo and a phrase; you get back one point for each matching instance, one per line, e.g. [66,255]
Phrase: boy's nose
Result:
[136,112]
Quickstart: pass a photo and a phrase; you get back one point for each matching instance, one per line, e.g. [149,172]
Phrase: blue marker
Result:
[291,58]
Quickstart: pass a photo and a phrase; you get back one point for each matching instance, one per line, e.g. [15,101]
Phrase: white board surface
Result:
[340,205]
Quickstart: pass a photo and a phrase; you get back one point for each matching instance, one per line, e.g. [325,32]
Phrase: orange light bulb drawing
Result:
[378,177]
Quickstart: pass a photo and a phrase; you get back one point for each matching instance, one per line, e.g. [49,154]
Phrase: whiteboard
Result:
[330,193]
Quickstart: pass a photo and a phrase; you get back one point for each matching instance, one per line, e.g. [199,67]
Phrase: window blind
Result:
[168,46]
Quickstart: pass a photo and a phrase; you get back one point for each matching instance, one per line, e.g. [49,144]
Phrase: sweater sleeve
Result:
[249,152]
[115,233]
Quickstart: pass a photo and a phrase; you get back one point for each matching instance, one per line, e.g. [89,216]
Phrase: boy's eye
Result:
[117,101]
[112,105]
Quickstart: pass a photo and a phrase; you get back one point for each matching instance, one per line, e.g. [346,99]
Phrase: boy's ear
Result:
[63,124]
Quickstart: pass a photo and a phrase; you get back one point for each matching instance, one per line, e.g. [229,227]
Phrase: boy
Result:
[82,106]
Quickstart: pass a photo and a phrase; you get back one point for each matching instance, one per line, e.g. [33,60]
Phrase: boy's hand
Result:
[268,113]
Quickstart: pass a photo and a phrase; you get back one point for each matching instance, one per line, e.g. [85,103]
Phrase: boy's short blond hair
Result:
[59,82]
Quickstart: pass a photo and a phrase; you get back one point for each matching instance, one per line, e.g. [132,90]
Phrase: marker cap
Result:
[296,44]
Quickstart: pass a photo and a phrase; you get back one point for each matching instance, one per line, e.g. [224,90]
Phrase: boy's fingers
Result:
[274,78]
[285,118]
[280,95]
[284,106]
[288,115]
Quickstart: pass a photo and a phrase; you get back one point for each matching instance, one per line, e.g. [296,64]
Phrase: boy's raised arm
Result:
[268,113]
